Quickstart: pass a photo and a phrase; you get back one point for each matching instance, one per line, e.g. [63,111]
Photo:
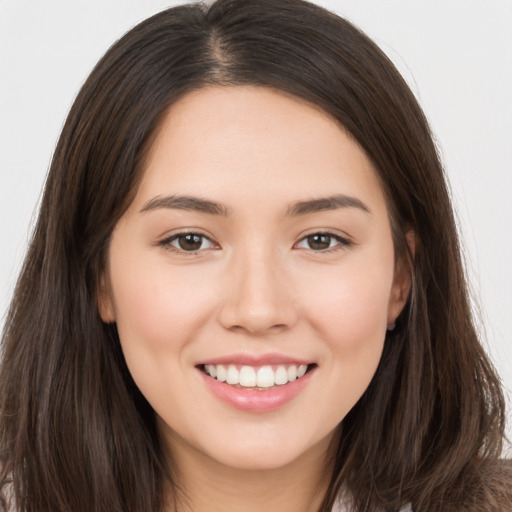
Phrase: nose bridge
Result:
[259,271]
[258,298]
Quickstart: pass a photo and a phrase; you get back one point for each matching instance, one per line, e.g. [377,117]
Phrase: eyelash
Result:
[167,242]
[342,242]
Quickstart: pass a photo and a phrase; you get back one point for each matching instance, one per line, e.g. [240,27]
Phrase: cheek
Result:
[352,301]
[156,308]
[354,313]
[351,321]
[158,313]
[348,307]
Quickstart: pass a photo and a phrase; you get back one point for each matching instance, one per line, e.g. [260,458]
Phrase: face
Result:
[253,277]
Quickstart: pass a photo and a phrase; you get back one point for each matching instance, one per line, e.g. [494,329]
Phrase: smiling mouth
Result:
[256,378]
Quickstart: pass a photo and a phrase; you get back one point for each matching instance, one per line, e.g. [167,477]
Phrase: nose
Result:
[260,298]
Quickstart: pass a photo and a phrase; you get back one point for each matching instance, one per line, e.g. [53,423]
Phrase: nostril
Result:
[258,307]
[257,328]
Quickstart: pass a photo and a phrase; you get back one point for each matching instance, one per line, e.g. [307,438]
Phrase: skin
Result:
[256,286]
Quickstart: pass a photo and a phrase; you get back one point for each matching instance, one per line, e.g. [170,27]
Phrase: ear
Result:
[402,281]
[105,303]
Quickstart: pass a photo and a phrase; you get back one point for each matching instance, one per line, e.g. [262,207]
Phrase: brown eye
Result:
[188,242]
[319,241]
[322,242]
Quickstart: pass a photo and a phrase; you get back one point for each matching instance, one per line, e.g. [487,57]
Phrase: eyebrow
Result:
[184,202]
[179,202]
[326,203]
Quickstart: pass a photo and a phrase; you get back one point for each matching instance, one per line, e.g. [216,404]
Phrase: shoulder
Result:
[6,499]
[6,491]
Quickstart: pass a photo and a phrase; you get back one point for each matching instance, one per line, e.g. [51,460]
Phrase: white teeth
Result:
[221,373]
[250,377]
[265,377]
[233,375]
[281,376]
[247,377]
[211,370]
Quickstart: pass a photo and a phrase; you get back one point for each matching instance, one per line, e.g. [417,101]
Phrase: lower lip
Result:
[252,400]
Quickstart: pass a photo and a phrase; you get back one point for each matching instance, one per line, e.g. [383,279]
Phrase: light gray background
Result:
[455,54]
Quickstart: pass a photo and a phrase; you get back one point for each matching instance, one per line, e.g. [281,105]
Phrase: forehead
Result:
[252,141]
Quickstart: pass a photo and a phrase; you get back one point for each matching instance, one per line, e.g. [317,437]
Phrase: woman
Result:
[244,289]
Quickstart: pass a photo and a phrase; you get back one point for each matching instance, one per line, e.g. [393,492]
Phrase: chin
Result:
[268,453]
[267,460]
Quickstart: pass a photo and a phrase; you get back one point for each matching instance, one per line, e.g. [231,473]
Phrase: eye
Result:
[188,242]
[322,242]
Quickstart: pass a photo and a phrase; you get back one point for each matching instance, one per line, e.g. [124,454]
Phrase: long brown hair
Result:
[75,432]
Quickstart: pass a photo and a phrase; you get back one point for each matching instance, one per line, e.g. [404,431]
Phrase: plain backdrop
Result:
[455,54]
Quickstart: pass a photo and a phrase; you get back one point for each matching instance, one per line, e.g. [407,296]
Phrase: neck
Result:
[206,484]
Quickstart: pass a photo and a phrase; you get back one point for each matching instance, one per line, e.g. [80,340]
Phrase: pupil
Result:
[190,242]
[319,242]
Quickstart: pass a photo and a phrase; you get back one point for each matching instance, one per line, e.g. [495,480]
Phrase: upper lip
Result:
[254,360]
